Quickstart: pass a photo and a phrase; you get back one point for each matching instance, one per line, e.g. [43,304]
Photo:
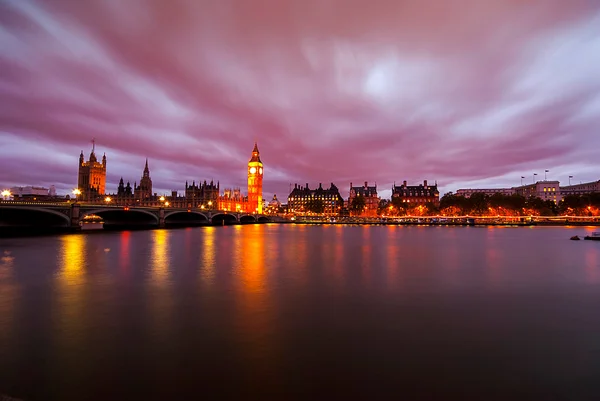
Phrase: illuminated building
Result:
[92,176]
[255,179]
[233,201]
[201,194]
[370,196]
[303,200]
[581,189]
[545,190]
[487,191]
[417,194]
[29,193]
[274,206]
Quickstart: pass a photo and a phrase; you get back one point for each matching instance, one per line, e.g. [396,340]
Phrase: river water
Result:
[302,312]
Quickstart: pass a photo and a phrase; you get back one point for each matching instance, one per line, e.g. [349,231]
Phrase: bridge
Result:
[72,215]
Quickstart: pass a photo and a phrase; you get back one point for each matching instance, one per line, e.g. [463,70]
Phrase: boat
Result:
[575,238]
[594,237]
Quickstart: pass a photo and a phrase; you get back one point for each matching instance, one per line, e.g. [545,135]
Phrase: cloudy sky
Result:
[469,93]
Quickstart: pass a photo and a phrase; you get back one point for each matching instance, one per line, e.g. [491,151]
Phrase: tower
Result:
[92,176]
[144,190]
[255,179]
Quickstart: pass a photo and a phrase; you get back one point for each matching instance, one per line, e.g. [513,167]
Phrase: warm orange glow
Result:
[76,192]
[6,193]
[162,199]
[107,199]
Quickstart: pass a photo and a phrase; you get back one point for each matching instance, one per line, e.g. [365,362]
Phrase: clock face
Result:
[260,170]
[252,170]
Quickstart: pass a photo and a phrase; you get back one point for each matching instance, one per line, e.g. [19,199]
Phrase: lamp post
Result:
[6,194]
[534,174]
[570,179]
[76,192]
[209,205]
[107,200]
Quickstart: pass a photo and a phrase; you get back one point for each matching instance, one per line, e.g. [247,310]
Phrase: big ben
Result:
[255,178]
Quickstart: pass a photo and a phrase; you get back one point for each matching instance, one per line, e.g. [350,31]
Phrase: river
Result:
[302,312]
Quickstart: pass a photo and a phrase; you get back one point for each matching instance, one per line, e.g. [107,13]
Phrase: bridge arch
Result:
[264,219]
[186,217]
[64,218]
[247,218]
[117,211]
[224,218]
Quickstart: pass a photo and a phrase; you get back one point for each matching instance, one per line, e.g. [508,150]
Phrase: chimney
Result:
[350,185]
[425,183]
[307,185]
[404,183]
[365,184]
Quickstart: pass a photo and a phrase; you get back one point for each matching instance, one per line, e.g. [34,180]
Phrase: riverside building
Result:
[303,200]
[370,196]
[417,194]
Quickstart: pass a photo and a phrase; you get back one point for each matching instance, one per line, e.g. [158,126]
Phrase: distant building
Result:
[29,193]
[124,193]
[232,200]
[92,176]
[274,206]
[417,194]
[487,191]
[302,199]
[545,190]
[201,194]
[143,192]
[370,196]
[580,189]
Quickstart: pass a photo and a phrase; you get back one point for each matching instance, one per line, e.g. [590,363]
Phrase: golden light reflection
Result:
[160,302]
[160,257]
[208,261]
[254,317]
[70,290]
[72,260]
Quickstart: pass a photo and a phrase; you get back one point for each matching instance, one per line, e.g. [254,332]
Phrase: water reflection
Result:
[254,311]
[125,252]
[70,318]
[160,302]
[208,259]
[8,298]
[393,261]
[592,263]
[160,257]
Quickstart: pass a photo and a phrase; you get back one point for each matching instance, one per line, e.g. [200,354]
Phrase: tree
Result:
[358,204]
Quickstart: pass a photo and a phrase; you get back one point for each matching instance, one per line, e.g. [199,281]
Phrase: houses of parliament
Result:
[204,195]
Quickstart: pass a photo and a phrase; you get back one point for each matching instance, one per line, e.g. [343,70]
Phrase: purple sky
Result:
[468,93]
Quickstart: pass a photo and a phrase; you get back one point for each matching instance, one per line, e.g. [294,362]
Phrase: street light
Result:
[6,194]
[209,204]
[162,199]
[76,192]
[107,199]
[166,203]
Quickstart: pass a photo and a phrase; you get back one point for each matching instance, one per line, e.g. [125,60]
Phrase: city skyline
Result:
[332,95]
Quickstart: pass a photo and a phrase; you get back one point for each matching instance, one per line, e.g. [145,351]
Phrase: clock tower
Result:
[255,179]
